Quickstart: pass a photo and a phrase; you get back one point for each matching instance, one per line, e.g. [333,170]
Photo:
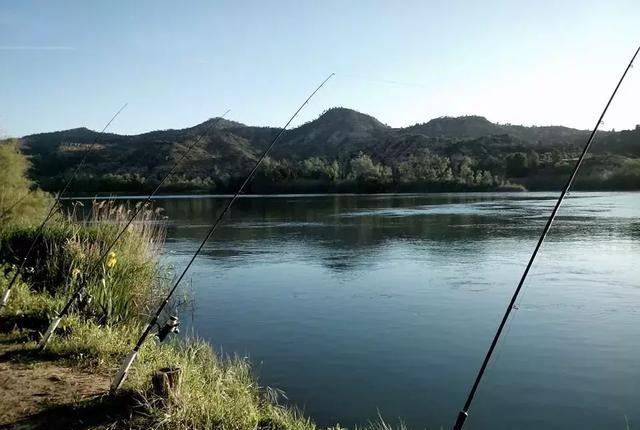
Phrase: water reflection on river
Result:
[354,304]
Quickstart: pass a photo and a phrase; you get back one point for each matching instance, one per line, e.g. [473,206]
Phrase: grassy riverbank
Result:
[215,392]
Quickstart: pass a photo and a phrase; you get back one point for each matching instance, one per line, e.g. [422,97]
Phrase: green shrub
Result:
[20,203]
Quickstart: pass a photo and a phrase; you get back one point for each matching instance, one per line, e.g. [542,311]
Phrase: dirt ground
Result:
[43,395]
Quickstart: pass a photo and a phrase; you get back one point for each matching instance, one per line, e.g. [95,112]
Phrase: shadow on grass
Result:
[106,411]
[28,354]
[19,344]
[24,322]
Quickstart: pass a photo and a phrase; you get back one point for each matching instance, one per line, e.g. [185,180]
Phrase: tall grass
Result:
[26,310]
[122,286]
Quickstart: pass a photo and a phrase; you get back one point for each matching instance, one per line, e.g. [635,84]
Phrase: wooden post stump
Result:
[165,383]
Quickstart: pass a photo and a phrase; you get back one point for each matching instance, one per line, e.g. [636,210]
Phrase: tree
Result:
[317,168]
[19,201]
[533,160]
[556,156]
[363,168]
[424,167]
[484,179]
[516,164]
[466,173]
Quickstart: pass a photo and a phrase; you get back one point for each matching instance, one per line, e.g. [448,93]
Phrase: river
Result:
[357,306]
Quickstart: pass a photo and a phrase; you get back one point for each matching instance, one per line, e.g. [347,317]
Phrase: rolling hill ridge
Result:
[341,150]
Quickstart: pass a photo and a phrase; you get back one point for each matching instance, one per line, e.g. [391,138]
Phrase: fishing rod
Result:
[52,211]
[464,413]
[81,286]
[171,325]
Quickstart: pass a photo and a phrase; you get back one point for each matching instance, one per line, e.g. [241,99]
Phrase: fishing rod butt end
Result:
[462,417]
[118,380]
[5,298]
[47,334]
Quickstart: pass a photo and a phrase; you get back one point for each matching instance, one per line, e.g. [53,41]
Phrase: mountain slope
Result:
[336,132]
[458,127]
[227,149]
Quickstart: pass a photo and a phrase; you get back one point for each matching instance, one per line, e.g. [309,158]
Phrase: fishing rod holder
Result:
[171,326]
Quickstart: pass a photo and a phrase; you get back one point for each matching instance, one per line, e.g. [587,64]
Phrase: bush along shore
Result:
[214,391]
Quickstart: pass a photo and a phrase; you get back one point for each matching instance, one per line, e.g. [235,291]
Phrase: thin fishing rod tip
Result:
[121,109]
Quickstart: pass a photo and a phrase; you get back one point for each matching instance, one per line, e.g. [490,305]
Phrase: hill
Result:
[341,150]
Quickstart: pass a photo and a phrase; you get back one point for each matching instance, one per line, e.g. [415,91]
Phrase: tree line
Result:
[461,169]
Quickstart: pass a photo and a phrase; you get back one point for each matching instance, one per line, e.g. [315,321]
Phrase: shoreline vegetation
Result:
[215,392]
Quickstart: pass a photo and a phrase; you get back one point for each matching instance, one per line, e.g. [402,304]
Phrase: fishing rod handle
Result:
[120,377]
[462,417]
[47,334]
[5,298]
[118,380]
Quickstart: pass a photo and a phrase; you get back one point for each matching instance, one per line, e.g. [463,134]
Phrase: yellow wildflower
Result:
[75,272]
[111,260]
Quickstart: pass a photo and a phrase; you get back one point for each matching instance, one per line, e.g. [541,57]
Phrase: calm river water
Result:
[385,304]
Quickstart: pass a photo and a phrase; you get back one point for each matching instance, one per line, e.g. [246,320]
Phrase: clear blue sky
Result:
[74,63]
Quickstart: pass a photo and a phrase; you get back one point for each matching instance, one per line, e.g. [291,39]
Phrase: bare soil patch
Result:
[45,395]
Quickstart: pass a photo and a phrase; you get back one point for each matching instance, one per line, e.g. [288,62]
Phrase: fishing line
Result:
[52,210]
[128,360]
[464,413]
[382,81]
[139,208]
